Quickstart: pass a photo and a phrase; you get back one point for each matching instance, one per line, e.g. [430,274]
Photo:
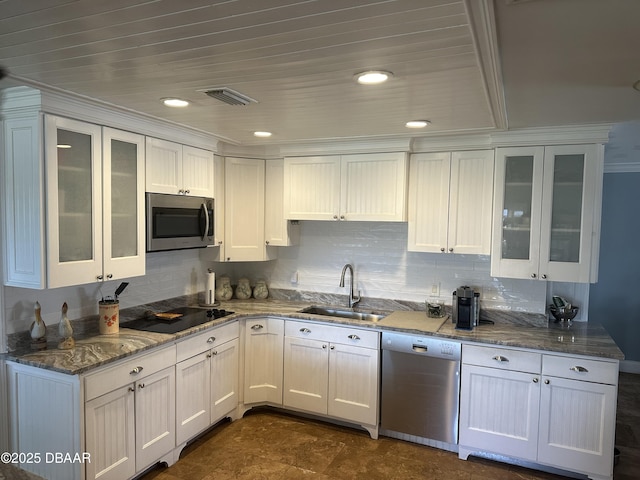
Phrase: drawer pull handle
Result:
[135,371]
[500,358]
[353,337]
[579,369]
[257,327]
[211,339]
[305,330]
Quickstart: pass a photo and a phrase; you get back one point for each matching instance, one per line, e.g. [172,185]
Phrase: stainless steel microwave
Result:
[176,222]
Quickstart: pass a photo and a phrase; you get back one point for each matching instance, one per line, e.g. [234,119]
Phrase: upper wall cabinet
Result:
[178,169]
[349,187]
[450,202]
[92,197]
[278,231]
[95,203]
[547,213]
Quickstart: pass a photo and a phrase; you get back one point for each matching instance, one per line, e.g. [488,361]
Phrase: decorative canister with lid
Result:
[224,291]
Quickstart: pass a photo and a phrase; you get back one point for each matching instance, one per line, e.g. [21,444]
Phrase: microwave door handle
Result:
[206,220]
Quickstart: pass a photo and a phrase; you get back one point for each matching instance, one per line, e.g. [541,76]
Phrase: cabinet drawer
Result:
[206,340]
[128,371]
[502,358]
[580,368]
[333,334]
[256,326]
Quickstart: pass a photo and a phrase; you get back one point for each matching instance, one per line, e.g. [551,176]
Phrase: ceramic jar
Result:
[243,290]
[260,291]
[224,291]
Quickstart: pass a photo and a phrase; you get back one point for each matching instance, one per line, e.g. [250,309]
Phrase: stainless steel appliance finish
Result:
[176,222]
[420,387]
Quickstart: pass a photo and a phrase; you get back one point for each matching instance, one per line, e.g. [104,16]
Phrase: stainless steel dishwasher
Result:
[420,389]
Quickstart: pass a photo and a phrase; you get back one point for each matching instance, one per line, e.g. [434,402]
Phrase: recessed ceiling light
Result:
[262,134]
[174,102]
[417,123]
[373,77]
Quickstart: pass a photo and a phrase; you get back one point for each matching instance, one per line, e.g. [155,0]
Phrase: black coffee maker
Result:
[465,308]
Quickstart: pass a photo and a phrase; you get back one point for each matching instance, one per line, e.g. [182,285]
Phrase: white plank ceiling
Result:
[298,58]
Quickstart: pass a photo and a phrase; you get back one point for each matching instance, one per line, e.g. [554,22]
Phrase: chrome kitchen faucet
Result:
[352,300]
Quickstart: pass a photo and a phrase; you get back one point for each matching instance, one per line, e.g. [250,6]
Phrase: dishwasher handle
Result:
[420,348]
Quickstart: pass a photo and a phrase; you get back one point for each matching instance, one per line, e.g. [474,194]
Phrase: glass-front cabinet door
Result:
[123,203]
[544,212]
[74,201]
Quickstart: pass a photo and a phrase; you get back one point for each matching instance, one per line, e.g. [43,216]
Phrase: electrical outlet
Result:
[294,278]
[435,289]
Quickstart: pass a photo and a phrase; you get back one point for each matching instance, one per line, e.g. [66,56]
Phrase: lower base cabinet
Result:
[548,409]
[206,380]
[332,371]
[263,361]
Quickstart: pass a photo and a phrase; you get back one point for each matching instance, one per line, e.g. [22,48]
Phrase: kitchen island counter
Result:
[93,350]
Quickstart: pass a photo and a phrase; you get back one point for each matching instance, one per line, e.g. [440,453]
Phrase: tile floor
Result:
[266,444]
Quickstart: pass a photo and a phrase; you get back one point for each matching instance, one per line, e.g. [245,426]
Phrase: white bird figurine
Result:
[65,331]
[38,329]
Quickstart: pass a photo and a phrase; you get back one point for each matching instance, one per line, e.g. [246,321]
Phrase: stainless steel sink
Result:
[342,312]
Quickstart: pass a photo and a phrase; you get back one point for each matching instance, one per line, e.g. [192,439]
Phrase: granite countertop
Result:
[93,350]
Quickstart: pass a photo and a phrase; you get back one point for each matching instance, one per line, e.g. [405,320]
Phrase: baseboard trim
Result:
[629,366]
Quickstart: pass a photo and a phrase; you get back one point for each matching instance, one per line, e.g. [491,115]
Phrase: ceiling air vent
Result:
[228,96]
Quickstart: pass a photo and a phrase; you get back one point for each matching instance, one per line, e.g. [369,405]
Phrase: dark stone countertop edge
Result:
[582,338]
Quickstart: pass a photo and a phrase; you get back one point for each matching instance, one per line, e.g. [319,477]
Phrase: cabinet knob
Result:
[135,371]
[543,276]
[187,192]
[208,355]
[257,327]
[533,275]
[324,347]
[228,259]
[180,192]
[219,242]
[451,250]
[215,352]
[110,276]
[335,217]
[141,386]
[442,249]
[547,382]
[267,242]
[333,347]
[341,217]
[100,277]
[131,389]
[211,339]
[353,337]
[535,379]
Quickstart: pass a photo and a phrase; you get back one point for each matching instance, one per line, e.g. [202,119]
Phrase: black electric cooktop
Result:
[189,317]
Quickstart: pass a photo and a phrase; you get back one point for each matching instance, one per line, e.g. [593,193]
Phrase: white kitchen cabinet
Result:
[95,203]
[450,202]
[263,360]
[206,380]
[244,210]
[546,213]
[553,410]
[130,415]
[178,169]
[278,231]
[365,187]
[332,371]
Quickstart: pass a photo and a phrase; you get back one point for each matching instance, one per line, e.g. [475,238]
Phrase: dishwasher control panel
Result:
[421,345]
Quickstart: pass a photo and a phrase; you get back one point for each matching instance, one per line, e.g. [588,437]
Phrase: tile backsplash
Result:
[377,250]
[383,267]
